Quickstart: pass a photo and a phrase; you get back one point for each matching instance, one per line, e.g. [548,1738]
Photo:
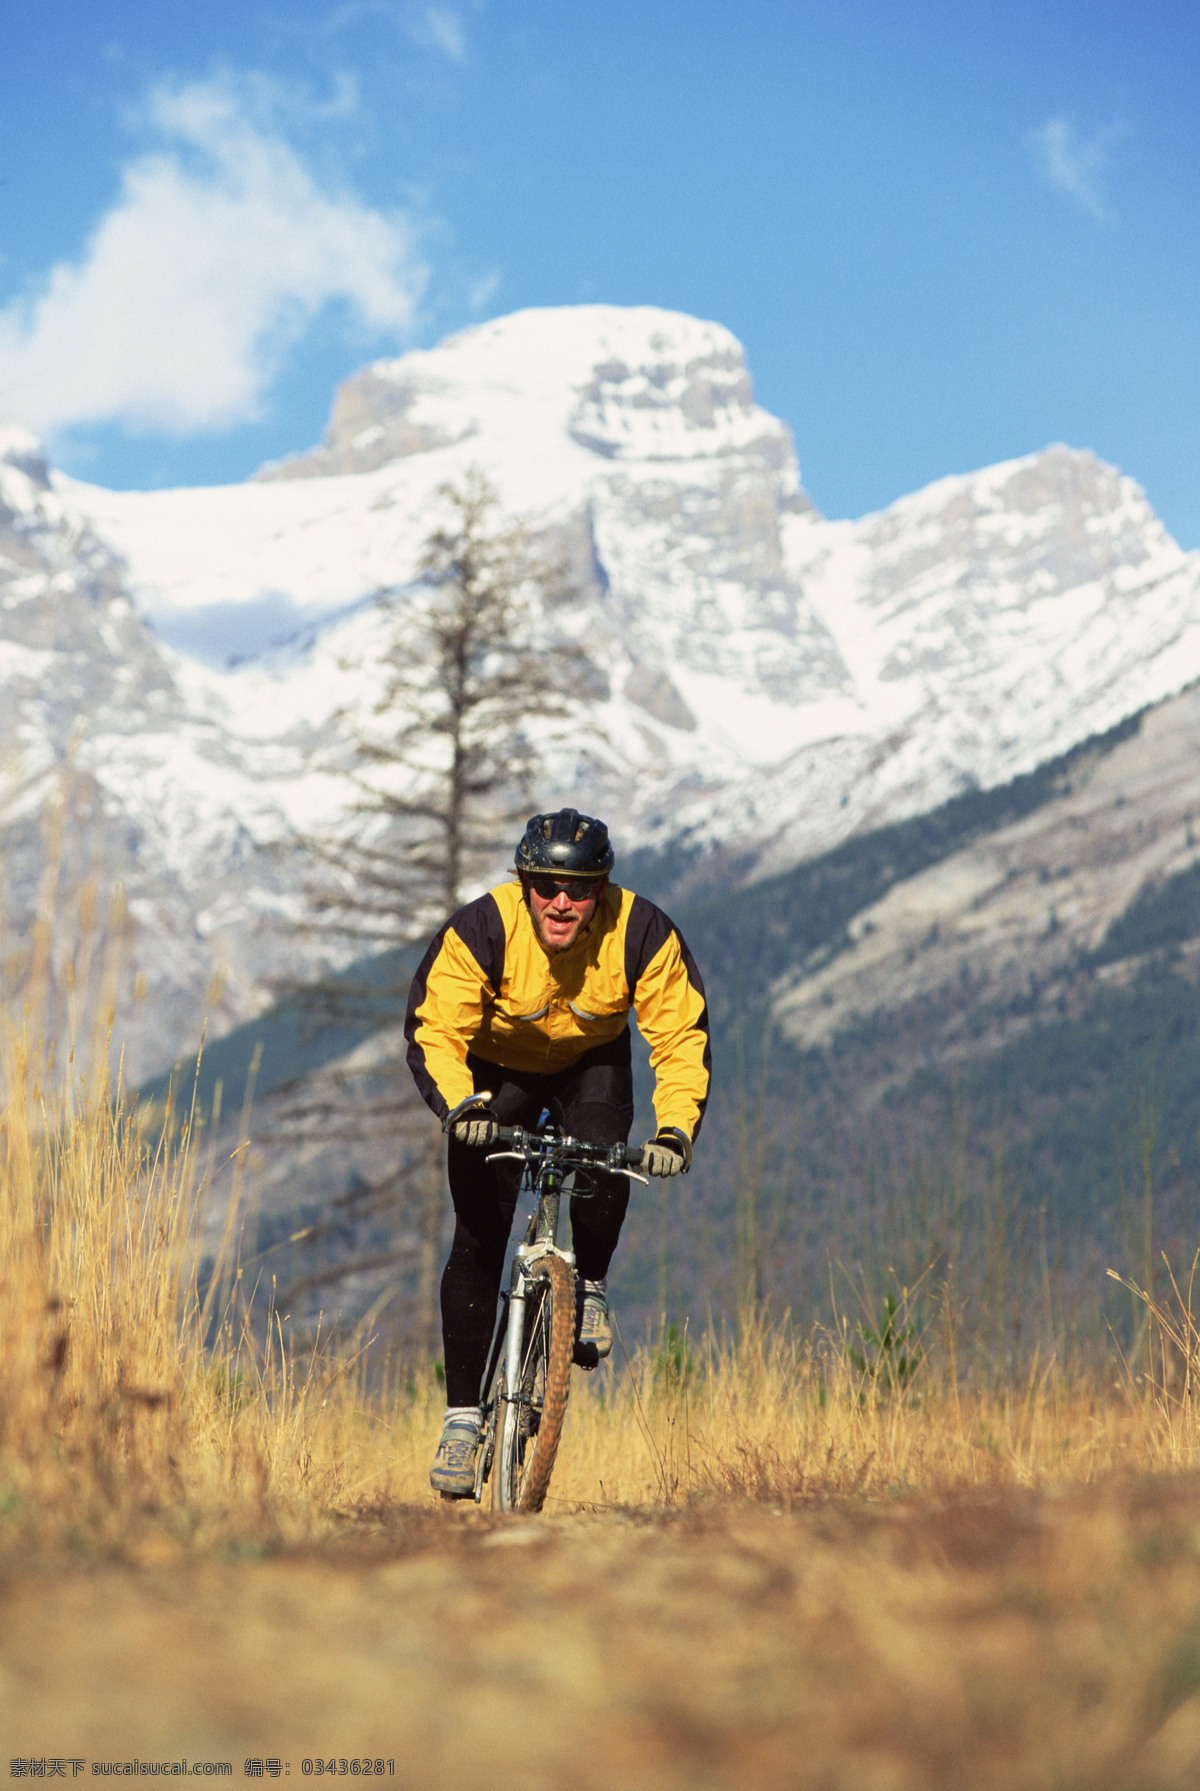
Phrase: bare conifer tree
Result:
[442,771]
[445,761]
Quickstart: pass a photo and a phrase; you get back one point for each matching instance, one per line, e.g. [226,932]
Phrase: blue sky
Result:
[946,235]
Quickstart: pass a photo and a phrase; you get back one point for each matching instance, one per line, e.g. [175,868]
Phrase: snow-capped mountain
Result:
[129,820]
[767,681]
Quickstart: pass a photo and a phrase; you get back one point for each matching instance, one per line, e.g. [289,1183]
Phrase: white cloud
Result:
[430,27]
[219,252]
[1075,166]
[481,292]
[439,28]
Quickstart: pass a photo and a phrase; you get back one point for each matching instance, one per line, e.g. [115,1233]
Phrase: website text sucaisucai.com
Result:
[66,1767]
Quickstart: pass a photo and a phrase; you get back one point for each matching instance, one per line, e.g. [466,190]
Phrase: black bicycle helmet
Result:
[567,844]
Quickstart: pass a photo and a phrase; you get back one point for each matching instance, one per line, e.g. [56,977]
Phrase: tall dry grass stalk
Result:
[1172,1350]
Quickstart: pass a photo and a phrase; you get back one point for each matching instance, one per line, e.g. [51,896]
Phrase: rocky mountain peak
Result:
[637,384]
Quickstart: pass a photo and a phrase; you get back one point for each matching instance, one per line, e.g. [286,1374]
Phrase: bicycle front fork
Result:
[515,1340]
[516,1335]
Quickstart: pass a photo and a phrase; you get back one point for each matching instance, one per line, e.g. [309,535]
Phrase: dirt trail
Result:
[1007,1641]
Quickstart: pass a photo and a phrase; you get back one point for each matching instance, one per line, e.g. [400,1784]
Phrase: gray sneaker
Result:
[453,1470]
[594,1338]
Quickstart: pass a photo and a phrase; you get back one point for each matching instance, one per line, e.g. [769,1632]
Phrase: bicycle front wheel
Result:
[530,1423]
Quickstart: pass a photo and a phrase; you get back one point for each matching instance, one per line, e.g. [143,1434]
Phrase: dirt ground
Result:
[1047,1640]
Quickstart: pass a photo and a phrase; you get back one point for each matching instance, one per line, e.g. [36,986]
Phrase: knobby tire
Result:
[521,1475]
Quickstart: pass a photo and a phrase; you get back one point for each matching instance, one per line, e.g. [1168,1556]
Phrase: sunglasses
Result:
[580,889]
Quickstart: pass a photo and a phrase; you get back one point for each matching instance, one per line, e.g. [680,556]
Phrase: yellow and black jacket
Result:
[487,985]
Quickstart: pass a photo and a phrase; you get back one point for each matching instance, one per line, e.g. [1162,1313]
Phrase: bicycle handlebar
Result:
[569,1152]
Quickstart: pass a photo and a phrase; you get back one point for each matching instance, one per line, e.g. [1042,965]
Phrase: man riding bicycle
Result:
[526,993]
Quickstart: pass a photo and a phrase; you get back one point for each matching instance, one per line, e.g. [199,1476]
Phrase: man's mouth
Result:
[560,923]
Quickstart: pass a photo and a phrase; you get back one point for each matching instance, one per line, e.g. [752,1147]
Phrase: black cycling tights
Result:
[592,1100]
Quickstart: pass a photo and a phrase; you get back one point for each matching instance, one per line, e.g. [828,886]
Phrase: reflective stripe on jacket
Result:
[488,985]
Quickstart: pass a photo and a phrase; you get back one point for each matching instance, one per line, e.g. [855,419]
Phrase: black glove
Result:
[668,1153]
[477,1128]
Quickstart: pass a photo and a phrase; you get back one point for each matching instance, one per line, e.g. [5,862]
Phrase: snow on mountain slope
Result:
[768,681]
[988,623]
[110,776]
[1000,934]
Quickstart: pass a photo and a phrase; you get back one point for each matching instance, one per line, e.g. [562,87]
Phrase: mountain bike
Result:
[527,1380]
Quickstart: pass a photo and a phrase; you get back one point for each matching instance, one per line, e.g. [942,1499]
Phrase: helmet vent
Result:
[582,829]
[548,827]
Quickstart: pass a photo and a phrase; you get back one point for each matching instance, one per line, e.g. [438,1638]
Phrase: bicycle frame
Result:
[541,1238]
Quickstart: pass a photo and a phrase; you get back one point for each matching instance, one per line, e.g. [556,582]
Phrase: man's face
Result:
[561,907]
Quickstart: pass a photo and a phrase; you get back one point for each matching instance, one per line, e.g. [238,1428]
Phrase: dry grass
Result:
[773,1417]
[134,1415]
[121,1418]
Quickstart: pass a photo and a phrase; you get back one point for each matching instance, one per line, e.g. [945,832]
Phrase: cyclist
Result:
[526,993]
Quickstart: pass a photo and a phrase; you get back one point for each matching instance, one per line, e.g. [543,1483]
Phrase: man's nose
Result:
[561,899]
